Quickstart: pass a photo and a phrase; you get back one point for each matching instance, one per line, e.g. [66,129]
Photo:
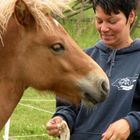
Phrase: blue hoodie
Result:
[123,70]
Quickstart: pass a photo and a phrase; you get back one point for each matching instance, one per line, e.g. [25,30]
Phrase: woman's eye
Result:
[99,21]
[57,48]
[112,21]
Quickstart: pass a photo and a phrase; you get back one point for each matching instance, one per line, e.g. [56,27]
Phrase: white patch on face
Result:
[56,22]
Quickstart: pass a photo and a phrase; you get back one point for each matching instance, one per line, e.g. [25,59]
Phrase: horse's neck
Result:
[11,86]
[10,95]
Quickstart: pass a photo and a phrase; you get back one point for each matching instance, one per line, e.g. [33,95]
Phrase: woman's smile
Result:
[107,37]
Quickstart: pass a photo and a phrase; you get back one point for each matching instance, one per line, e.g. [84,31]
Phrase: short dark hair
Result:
[115,6]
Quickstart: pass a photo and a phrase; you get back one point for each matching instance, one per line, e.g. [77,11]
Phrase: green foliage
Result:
[84,33]
[81,28]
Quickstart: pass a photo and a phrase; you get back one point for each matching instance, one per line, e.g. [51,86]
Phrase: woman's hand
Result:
[53,126]
[119,130]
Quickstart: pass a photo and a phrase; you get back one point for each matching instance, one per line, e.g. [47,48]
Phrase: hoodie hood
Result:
[112,54]
[134,46]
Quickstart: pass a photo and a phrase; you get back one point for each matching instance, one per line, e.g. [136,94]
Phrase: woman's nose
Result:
[104,27]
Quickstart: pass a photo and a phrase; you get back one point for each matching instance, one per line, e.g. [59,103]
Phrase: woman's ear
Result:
[131,17]
[23,15]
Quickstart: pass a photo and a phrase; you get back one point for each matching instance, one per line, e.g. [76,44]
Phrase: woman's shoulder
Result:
[90,49]
[137,41]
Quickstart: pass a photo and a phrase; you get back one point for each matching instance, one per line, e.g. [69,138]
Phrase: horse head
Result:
[37,52]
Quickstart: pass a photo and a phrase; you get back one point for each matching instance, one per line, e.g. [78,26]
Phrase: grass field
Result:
[33,111]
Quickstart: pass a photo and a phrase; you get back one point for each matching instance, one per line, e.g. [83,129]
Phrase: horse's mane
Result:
[38,8]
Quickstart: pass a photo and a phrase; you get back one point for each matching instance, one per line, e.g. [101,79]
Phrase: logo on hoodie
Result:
[126,83]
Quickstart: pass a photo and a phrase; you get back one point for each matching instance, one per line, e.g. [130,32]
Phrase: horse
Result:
[37,52]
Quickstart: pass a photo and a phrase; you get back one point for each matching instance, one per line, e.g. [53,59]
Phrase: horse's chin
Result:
[70,99]
[87,103]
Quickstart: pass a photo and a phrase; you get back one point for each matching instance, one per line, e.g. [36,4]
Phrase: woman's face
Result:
[114,29]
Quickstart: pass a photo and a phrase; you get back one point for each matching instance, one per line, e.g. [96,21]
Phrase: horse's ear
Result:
[23,14]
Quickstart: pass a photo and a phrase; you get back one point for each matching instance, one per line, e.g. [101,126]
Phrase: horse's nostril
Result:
[104,87]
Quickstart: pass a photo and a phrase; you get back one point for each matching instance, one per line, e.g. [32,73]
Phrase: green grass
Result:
[27,121]
[84,33]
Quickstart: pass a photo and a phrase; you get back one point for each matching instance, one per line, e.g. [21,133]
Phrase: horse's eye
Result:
[57,48]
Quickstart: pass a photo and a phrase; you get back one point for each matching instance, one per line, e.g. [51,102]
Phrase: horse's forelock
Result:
[6,10]
[38,8]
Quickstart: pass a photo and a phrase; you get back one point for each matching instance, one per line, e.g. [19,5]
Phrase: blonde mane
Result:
[38,8]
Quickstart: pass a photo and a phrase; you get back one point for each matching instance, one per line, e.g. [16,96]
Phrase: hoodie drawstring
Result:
[111,60]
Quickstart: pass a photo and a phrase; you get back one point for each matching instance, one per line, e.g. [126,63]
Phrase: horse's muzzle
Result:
[94,89]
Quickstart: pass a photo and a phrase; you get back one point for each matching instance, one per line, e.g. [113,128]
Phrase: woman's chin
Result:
[108,42]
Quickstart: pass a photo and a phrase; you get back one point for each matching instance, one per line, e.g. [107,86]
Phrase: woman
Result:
[118,117]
